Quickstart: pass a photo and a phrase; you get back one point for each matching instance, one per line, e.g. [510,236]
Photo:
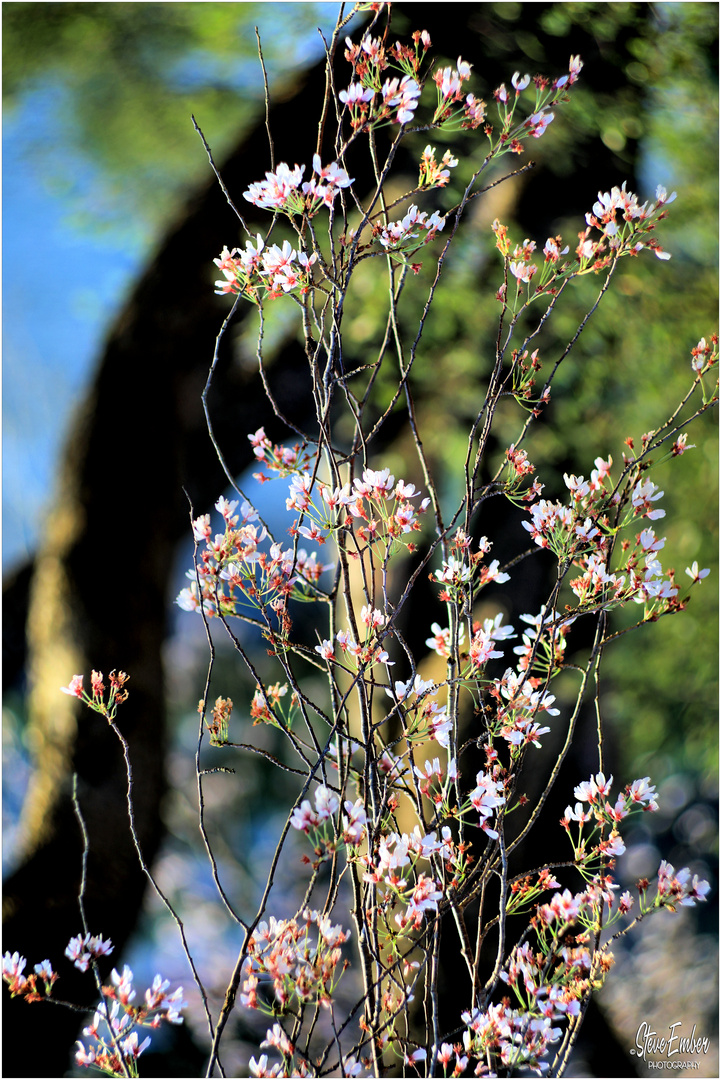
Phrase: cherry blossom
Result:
[75,687]
[84,948]
[486,797]
[400,234]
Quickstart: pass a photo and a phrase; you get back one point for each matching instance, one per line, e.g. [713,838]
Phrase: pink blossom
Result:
[552,250]
[404,96]
[645,493]
[300,486]
[397,233]
[354,822]
[565,906]
[486,797]
[448,82]
[578,487]
[613,846]
[625,903]
[474,111]
[405,517]
[274,192]
[574,67]
[277,1038]
[260,1067]
[425,897]
[75,687]
[333,174]
[130,1045]
[13,967]
[308,568]
[405,491]
[303,817]
[378,483]
[82,949]
[445,1054]
[440,729]
[124,992]
[593,790]
[326,803]
[372,617]
[356,94]
[679,887]
[522,270]
[538,123]
[481,648]
[662,198]
[577,814]
[640,791]
[260,442]
[312,532]
[227,509]
[326,650]
[441,641]
[83,1056]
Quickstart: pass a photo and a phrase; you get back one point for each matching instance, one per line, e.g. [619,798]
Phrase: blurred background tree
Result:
[97,106]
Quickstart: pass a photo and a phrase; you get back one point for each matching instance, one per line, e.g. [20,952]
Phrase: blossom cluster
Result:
[26,986]
[518,701]
[220,719]
[411,871]
[380,509]
[117,1052]
[582,532]
[626,228]
[549,93]
[422,715]
[433,173]
[392,869]
[115,1046]
[704,354]
[233,561]
[603,815]
[285,190]
[293,1066]
[594,807]
[85,948]
[260,271]
[95,700]
[549,983]
[301,968]
[449,86]
[551,980]
[283,460]
[318,824]
[267,705]
[465,571]
[543,644]
[400,235]
[371,101]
